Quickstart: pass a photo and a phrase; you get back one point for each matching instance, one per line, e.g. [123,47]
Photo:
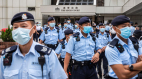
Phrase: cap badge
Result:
[24,16]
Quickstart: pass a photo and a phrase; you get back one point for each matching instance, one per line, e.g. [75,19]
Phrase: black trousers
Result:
[84,72]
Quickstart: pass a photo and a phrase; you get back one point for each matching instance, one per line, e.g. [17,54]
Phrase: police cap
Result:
[50,19]
[83,20]
[68,31]
[120,20]
[22,16]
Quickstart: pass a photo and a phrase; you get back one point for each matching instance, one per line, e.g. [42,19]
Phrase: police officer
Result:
[76,27]
[120,53]
[64,28]
[107,28]
[45,26]
[61,47]
[82,46]
[60,26]
[69,25]
[132,28]
[50,35]
[103,38]
[29,59]
[39,29]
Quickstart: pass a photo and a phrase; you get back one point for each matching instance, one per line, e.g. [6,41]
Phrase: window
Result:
[67,1]
[73,0]
[84,0]
[76,2]
[100,2]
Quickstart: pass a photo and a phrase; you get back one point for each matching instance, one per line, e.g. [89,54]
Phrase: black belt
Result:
[83,63]
[51,45]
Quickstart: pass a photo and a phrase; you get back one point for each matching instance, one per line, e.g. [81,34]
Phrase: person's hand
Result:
[38,33]
[67,75]
[139,58]
[95,58]
[103,49]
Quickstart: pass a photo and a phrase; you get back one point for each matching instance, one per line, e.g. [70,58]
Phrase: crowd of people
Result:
[72,50]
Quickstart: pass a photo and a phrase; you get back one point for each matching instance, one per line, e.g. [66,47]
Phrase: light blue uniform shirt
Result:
[51,37]
[97,26]
[82,50]
[70,26]
[103,39]
[132,30]
[92,30]
[107,28]
[44,27]
[62,33]
[61,51]
[140,47]
[129,56]
[27,67]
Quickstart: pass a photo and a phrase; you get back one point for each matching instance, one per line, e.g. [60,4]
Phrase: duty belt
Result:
[51,45]
[83,63]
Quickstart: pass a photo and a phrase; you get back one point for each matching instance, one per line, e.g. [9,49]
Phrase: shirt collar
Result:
[123,43]
[53,29]
[101,34]
[83,36]
[32,49]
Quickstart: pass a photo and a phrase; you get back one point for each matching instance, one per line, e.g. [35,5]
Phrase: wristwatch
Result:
[99,53]
[131,67]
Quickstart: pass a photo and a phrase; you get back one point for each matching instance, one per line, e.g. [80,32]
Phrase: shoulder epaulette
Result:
[76,34]
[9,50]
[113,43]
[43,50]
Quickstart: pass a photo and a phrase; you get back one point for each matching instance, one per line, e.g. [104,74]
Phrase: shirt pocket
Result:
[37,74]
[92,46]
[55,36]
[124,58]
[134,54]
[11,74]
[105,40]
[79,45]
[47,35]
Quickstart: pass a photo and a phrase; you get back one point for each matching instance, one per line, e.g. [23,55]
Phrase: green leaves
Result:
[7,35]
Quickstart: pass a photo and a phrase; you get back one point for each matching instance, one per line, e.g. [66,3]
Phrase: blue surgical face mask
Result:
[21,35]
[125,32]
[102,29]
[52,24]
[59,25]
[45,25]
[65,25]
[87,29]
[75,26]
[68,21]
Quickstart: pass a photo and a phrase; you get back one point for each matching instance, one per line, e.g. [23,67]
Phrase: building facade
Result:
[98,10]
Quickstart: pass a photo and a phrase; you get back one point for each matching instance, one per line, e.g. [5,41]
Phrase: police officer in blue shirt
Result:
[29,59]
[82,46]
[61,49]
[132,28]
[65,28]
[51,35]
[70,25]
[107,28]
[104,38]
[120,53]
[60,26]
[76,27]
[45,26]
